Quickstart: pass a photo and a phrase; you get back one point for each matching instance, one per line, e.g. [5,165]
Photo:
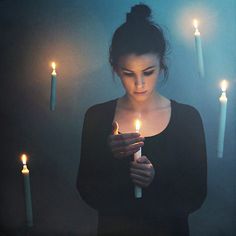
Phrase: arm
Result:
[88,179]
[190,187]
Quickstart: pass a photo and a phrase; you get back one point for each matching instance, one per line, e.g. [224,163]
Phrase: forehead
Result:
[134,61]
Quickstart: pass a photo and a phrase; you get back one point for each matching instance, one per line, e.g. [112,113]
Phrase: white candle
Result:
[138,154]
[198,47]
[222,121]
[53,87]
[28,202]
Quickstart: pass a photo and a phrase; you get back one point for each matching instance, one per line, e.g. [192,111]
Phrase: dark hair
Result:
[138,35]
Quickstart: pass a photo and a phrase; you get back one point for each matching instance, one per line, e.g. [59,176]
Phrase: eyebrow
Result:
[150,67]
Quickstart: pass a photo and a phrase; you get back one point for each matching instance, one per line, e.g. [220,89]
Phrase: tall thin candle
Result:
[138,154]
[28,201]
[198,47]
[53,87]
[222,121]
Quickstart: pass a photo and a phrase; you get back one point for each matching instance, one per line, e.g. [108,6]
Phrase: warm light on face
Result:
[137,125]
[224,85]
[24,159]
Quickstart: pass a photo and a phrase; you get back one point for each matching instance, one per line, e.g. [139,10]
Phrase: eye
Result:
[129,74]
[147,73]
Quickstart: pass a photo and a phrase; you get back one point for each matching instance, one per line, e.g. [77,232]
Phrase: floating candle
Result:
[222,120]
[198,47]
[53,87]
[28,202]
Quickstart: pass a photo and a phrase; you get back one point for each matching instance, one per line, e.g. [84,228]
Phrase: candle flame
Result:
[137,125]
[53,65]
[195,23]
[24,159]
[224,85]
[54,68]
[25,170]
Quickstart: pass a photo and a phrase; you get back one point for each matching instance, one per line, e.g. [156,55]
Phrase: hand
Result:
[142,172]
[123,145]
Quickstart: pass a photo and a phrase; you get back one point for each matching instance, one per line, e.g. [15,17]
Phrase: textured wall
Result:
[76,34]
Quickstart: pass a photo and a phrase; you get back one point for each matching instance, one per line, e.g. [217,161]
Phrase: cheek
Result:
[125,82]
[152,80]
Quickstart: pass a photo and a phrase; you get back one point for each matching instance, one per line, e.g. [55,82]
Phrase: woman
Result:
[172,168]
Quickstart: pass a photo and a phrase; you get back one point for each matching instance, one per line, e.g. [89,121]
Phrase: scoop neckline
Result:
[158,134]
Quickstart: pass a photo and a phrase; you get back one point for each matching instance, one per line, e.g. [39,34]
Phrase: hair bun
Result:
[139,12]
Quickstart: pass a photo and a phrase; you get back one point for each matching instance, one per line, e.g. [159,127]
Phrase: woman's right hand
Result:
[124,145]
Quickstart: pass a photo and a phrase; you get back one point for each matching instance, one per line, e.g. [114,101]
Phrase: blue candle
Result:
[53,88]
[198,47]
[28,201]
[222,121]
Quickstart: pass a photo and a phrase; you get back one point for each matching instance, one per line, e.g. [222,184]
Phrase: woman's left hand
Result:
[142,172]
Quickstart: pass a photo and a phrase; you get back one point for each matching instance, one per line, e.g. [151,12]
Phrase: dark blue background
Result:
[77,34]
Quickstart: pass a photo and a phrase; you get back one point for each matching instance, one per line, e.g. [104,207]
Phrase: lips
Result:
[140,92]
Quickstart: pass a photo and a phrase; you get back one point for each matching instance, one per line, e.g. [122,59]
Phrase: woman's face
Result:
[139,75]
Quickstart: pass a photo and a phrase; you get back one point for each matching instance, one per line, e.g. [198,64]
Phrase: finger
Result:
[140,182]
[133,148]
[122,153]
[127,136]
[121,140]
[115,128]
[126,144]
[144,173]
[143,160]
[140,178]
[141,166]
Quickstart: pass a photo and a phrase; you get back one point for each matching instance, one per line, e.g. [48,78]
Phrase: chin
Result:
[139,98]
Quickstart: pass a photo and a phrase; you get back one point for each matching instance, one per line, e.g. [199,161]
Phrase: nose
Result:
[139,81]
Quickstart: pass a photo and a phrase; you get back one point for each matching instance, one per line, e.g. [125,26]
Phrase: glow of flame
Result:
[54,68]
[195,23]
[224,85]
[24,159]
[53,65]
[137,125]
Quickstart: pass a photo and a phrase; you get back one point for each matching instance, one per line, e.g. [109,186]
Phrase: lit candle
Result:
[53,87]
[198,46]
[28,202]
[222,121]
[138,154]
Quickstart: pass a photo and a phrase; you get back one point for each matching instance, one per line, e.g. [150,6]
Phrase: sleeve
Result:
[190,186]
[86,183]
[92,183]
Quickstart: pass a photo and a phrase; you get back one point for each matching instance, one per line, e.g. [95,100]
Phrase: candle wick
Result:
[54,72]
[25,170]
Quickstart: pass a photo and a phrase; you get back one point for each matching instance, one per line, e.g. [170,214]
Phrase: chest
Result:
[152,122]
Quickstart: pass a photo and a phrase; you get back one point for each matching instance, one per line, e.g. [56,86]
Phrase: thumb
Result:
[143,160]
[115,128]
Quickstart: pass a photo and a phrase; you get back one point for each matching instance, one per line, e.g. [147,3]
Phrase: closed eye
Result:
[130,74]
[147,73]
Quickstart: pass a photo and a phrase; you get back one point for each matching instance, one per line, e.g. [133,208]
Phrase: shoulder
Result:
[184,109]
[186,114]
[100,108]
[98,118]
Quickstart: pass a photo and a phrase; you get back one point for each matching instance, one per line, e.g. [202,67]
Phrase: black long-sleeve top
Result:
[178,155]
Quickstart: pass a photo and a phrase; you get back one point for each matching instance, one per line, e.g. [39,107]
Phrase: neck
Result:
[153,102]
